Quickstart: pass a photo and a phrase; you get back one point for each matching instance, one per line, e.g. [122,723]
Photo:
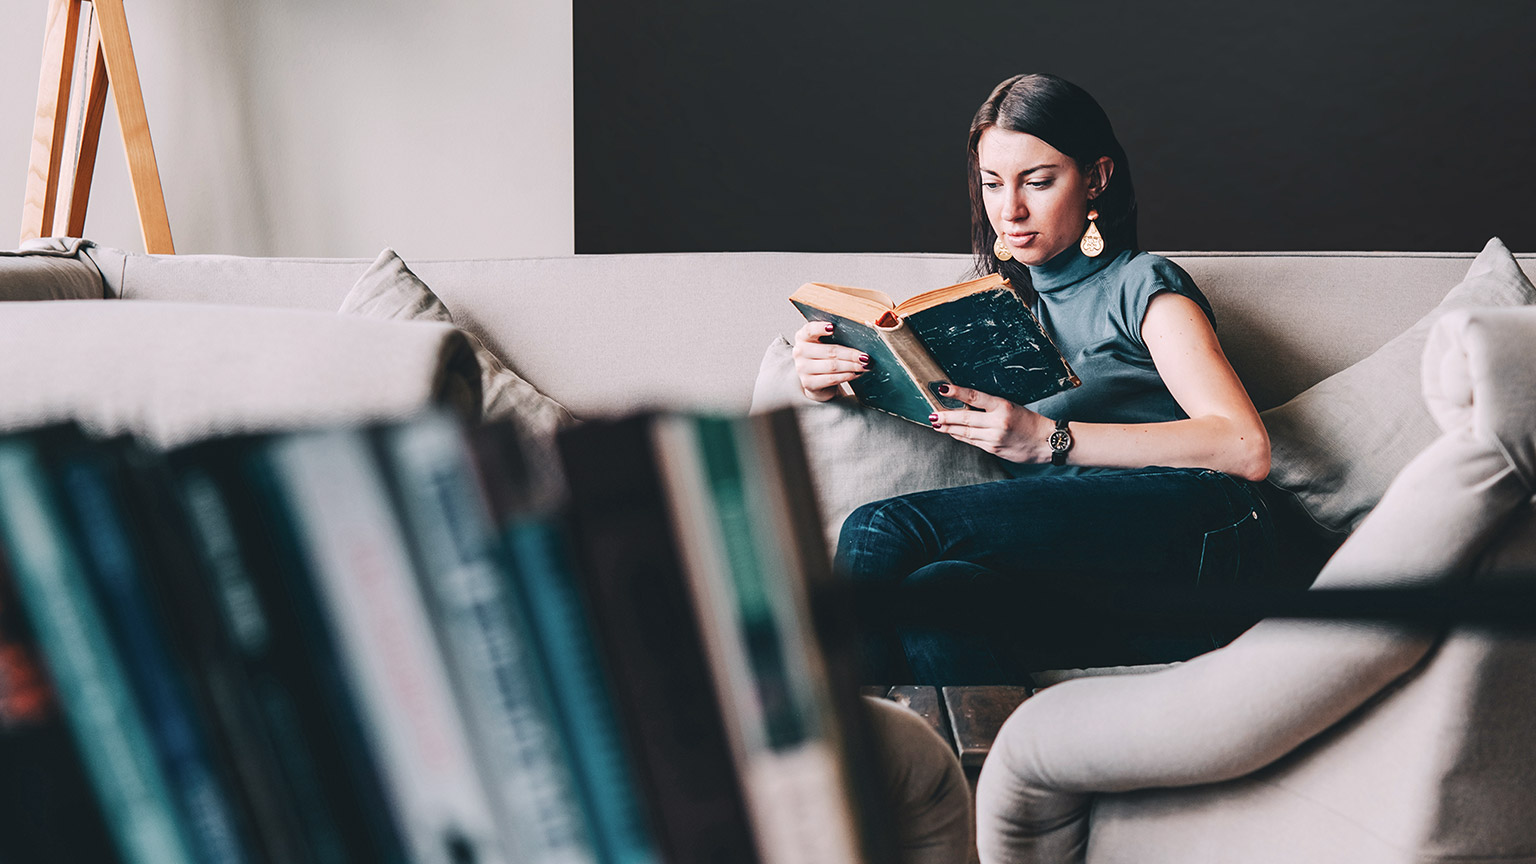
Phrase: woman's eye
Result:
[1039,184]
[990,184]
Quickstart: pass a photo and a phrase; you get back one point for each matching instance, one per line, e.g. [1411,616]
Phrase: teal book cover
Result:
[978,334]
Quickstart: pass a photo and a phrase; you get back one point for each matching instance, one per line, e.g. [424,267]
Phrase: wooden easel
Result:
[110,59]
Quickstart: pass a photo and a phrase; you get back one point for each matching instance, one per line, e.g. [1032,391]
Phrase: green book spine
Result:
[543,573]
[494,664]
[760,649]
[108,726]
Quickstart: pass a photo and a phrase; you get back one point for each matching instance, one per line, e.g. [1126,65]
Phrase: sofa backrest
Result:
[614,333]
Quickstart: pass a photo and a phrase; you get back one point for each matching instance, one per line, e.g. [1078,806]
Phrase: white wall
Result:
[329,127]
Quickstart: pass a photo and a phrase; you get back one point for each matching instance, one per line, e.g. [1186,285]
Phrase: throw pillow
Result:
[1337,445]
[857,454]
[390,290]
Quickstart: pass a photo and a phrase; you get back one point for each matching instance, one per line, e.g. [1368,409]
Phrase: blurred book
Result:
[703,548]
[484,629]
[525,493]
[330,486]
[48,811]
[425,643]
[110,727]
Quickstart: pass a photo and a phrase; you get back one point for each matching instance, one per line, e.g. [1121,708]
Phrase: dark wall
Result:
[841,125]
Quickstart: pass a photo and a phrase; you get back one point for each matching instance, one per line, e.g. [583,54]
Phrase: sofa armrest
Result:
[1238,709]
[180,372]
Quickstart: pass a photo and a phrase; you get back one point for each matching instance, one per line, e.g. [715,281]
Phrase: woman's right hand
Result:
[823,366]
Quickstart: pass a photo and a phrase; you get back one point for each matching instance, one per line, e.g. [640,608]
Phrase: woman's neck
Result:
[1069,267]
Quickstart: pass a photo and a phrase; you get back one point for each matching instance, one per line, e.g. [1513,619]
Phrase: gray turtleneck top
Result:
[1093,309]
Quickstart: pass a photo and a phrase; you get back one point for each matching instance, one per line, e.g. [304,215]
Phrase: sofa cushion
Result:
[1337,445]
[180,372]
[857,454]
[49,269]
[1286,697]
[389,290]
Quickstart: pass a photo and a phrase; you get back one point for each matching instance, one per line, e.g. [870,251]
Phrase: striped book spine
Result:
[485,633]
[180,733]
[768,673]
[108,725]
[341,509]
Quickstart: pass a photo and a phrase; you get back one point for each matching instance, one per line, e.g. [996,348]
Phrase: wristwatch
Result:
[1061,442]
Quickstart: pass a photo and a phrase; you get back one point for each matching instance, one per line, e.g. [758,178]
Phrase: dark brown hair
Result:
[1064,116]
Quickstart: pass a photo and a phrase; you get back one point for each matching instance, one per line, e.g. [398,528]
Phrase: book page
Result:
[940,296]
[860,304]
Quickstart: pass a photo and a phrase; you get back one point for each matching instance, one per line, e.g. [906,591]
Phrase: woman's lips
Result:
[1021,239]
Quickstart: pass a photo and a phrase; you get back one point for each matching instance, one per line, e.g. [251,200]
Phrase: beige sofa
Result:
[612,334]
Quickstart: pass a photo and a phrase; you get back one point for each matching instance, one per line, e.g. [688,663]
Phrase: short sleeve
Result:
[1147,276]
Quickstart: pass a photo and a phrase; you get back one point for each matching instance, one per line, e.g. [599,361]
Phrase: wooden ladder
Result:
[110,59]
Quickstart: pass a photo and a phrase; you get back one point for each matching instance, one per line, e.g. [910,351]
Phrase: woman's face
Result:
[1036,196]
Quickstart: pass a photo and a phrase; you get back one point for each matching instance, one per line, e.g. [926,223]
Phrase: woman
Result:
[1148,470]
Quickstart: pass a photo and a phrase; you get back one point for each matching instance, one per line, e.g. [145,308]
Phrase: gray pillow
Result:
[1337,445]
[389,290]
[50,268]
[857,454]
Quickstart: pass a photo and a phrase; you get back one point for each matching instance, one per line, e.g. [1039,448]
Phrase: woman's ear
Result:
[1098,176]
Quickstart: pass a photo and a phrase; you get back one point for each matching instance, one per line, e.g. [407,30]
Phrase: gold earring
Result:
[1093,242]
[1002,252]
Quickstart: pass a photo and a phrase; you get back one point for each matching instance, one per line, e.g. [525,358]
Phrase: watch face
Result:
[1061,439]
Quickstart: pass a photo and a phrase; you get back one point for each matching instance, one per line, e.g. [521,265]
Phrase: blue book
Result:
[84,474]
[48,812]
[110,727]
[524,504]
[493,661]
[265,602]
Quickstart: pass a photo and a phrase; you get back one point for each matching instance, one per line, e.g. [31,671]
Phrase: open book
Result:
[976,334]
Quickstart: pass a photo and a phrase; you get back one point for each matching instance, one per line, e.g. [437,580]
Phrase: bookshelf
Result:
[427,643]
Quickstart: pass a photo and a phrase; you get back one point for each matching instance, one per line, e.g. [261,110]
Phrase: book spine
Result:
[484,630]
[783,503]
[307,662]
[542,568]
[180,735]
[767,681]
[279,770]
[650,641]
[354,546]
[109,728]
[47,810]
[915,360]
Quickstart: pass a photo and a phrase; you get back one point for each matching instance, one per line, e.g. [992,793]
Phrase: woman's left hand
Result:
[1001,428]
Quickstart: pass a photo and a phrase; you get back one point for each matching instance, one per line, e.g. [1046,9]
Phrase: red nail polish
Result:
[864,358]
[933,419]
[829,326]
[943,389]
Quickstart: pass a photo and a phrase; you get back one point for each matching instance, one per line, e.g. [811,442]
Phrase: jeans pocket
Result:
[1221,553]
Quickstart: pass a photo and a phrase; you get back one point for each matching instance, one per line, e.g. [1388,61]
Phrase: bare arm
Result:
[1223,431]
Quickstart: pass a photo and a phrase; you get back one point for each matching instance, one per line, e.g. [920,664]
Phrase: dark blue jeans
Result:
[1158,526]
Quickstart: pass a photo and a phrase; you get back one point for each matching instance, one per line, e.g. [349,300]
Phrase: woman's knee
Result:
[880,540]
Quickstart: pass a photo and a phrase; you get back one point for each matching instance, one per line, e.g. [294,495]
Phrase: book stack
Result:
[425,643]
